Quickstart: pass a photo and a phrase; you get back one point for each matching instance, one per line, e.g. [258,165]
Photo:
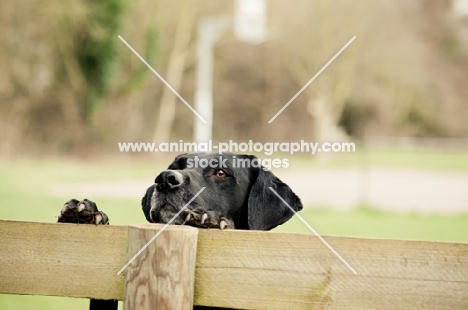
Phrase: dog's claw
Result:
[80,207]
[204,218]
[98,218]
[207,219]
[101,218]
[226,224]
[105,219]
[222,224]
[187,218]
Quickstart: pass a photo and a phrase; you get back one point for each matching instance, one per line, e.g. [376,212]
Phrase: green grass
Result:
[370,223]
[384,157]
[422,159]
[24,196]
[17,302]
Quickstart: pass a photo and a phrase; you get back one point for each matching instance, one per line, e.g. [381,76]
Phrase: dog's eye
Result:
[220,173]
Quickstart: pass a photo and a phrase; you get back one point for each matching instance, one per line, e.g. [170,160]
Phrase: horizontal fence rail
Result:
[240,269]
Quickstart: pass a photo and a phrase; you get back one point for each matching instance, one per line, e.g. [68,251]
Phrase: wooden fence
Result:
[232,269]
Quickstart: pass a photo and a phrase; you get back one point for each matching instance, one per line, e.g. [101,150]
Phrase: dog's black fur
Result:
[238,196]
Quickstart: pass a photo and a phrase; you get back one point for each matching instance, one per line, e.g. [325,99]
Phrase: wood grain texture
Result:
[243,269]
[267,270]
[62,259]
[163,275]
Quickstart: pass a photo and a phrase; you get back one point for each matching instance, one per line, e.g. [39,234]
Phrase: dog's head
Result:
[235,186]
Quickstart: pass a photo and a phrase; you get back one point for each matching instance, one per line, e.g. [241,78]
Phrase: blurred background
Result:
[70,90]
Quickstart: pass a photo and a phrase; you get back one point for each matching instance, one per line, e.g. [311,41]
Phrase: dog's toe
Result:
[226,224]
[87,208]
[105,218]
[208,219]
[69,212]
[101,218]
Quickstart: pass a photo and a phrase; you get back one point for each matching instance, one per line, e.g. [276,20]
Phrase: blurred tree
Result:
[319,36]
[95,46]
[92,61]
[176,62]
[67,80]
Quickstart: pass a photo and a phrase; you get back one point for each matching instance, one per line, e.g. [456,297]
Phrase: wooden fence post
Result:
[163,275]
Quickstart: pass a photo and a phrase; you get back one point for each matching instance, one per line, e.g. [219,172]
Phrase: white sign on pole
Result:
[250,20]
[249,26]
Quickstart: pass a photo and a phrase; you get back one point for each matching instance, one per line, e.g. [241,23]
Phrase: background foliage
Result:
[69,84]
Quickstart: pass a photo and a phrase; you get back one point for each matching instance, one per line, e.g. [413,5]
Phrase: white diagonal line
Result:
[163,80]
[313,230]
[312,79]
[159,232]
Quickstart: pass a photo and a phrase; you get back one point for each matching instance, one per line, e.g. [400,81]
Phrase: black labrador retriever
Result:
[236,195]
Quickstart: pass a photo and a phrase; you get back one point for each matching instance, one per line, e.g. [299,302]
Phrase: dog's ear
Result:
[265,209]
[146,203]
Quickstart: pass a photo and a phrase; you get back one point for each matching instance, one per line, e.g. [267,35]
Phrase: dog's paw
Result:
[82,212]
[208,219]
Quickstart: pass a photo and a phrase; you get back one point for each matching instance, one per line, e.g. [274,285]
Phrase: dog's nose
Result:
[169,179]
